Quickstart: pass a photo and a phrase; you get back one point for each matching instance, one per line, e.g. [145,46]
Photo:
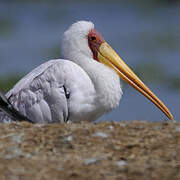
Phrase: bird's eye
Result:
[93,38]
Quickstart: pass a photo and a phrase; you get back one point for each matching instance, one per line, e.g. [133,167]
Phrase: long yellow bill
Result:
[109,57]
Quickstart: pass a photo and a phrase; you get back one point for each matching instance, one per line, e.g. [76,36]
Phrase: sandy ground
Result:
[107,150]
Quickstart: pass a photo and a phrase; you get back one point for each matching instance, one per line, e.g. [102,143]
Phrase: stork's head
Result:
[75,40]
[81,39]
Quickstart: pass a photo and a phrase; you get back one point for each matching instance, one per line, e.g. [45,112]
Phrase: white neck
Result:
[105,80]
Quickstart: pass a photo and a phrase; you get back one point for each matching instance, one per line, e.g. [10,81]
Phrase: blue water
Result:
[139,33]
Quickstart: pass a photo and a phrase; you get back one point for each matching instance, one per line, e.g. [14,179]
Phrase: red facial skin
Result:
[94,41]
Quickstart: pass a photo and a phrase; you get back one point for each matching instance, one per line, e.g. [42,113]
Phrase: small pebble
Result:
[90,161]
[122,124]
[156,128]
[111,127]
[121,163]
[177,129]
[100,134]
[68,138]
[17,138]
[39,124]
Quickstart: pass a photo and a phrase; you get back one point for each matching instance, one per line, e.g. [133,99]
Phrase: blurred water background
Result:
[146,34]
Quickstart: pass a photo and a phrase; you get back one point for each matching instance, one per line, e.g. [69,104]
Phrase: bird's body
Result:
[82,86]
[40,95]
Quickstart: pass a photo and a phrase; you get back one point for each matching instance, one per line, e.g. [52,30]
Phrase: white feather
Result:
[94,88]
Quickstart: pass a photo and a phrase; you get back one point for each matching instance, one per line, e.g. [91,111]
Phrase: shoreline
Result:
[104,150]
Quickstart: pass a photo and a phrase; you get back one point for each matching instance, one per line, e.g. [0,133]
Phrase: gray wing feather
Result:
[8,112]
[40,95]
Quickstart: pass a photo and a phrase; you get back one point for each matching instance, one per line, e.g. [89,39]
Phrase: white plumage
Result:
[82,86]
[93,88]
